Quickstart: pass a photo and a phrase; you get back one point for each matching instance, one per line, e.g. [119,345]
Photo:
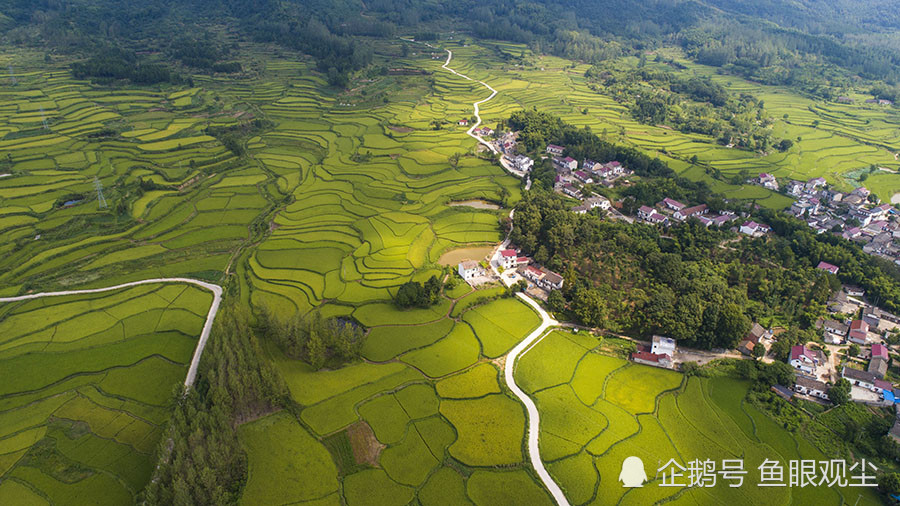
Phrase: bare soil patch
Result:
[366,448]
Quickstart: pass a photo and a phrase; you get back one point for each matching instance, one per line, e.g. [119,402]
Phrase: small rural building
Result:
[815,182]
[854,291]
[878,366]
[751,340]
[768,181]
[601,202]
[834,331]
[569,163]
[653,359]
[508,258]
[805,359]
[463,122]
[469,269]
[552,281]
[523,163]
[859,332]
[895,430]
[811,387]
[572,191]
[581,208]
[880,350]
[553,149]
[825,266]
[583,176]
[674,205]
[753,229]
[859,378]
[663,346]
[882,387]
[689,212]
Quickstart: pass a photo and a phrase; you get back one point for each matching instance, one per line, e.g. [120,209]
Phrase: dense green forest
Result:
[801,44]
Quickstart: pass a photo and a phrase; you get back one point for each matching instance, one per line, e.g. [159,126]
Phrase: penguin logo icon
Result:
[632,474]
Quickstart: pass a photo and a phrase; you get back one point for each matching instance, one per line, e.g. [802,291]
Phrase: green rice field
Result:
[597,410]
[88,383]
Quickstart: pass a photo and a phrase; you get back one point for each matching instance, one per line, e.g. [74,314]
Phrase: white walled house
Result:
[469,269]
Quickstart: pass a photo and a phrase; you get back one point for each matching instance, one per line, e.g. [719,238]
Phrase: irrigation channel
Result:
[534,420]
[207,327]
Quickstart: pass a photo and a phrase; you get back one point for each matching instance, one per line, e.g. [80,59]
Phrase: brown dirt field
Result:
[402,130]
[366,448]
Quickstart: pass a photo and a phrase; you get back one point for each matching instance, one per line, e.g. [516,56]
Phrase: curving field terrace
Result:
[596,410]
[87,387]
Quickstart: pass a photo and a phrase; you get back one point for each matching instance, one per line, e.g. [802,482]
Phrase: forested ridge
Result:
[777,42]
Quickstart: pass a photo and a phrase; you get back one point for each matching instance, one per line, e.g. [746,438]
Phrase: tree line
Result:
[200,460]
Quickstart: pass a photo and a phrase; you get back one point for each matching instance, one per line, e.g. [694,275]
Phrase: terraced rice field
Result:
[846,137]
[438,415]
[87,387]
[597,410]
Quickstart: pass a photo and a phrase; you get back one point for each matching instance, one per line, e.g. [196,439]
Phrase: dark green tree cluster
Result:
[416,294]
[312,338]
[797,246]
[200,460]
[682,283]
[688,104]
[112,65]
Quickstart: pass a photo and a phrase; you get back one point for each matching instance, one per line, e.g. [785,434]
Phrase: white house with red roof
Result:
[650,215]
[583,176]
[753,229]
[880,350]
[859,332]
[805,359]
[463,122]
[825,266]
[553,149]
[653,359]
[672,204]
[508,258]
[569,163]
[767,180]
[689,212]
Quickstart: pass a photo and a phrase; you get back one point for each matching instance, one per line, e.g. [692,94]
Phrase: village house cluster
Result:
[669,210]
[570,178]
[857,216]
[866,372]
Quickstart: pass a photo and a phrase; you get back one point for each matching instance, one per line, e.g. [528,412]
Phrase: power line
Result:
[101,200]
[12,76]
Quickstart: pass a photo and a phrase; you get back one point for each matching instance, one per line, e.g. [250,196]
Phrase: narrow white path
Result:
[534,420]
[207,327]
[476,104]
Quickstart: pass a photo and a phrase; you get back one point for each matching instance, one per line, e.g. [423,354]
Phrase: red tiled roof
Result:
[647,356]
[508,252]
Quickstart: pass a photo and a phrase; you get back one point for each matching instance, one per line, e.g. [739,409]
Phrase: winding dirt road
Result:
[207,327]
[534,419]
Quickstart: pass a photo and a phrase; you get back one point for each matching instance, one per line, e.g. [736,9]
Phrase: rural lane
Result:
[207,327]
[534,420]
